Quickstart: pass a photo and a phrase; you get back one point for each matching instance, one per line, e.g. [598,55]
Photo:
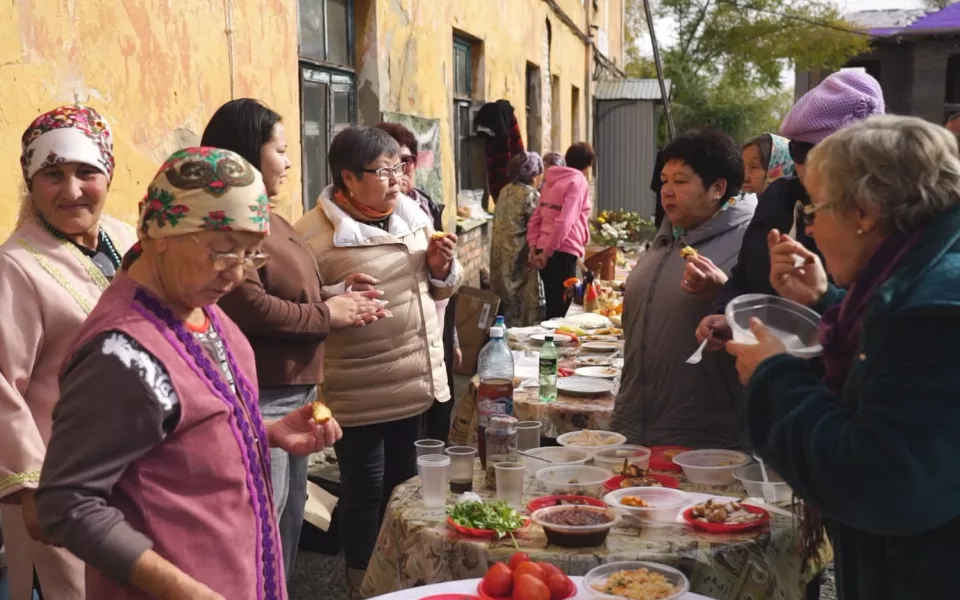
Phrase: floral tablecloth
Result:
[416,547]
[565,414]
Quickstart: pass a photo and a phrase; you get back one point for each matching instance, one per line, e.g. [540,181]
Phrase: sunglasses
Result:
[799,151]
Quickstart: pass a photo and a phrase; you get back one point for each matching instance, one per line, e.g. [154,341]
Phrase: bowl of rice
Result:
[636,580]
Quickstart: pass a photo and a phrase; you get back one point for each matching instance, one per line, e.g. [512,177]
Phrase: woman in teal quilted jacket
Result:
[873,447]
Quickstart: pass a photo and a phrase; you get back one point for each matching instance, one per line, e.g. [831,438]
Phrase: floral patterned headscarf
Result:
[67,134]
[780,165]
[204,189]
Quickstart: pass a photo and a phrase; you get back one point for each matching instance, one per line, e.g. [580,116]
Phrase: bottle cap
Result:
[496,332]
[548,337]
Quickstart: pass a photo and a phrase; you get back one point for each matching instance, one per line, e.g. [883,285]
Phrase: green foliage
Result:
[728,58]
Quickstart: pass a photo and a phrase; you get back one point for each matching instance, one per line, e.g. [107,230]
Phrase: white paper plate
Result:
[585,386]
[596,360]
[599,338]
[558,338]
[552,324]
[601,346]
[598,372]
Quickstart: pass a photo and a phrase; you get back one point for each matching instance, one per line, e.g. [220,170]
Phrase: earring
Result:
[859,232]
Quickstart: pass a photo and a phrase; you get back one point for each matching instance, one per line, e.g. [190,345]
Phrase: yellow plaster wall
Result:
[157,70]
[412,55]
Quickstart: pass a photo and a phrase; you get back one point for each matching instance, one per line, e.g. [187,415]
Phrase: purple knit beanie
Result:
[839,100]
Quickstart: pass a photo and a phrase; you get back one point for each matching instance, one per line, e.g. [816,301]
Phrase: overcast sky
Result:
[666,36]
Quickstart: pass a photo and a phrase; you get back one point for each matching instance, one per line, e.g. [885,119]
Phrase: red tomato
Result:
[550,569]
[559,586]
[517,558]
[528,587]
[529,568]
[499,580]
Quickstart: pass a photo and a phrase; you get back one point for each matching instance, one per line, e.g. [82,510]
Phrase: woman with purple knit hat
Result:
[841,99]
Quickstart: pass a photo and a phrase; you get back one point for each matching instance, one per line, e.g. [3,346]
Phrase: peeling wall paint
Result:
[157,70]
[415,41]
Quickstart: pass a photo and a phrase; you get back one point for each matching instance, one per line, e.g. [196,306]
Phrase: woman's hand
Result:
[716,329]
[28,506]
[360,282]
[356,309]
[749,356]
[701,275]
[795,273]
[440,253]
[299,434]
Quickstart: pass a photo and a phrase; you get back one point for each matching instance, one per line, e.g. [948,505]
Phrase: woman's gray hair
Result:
[905,166]
[356,147]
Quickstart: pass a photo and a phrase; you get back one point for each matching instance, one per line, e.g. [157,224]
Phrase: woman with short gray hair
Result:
[379,379]
[872,448]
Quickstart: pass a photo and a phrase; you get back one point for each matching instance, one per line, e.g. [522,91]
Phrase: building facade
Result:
[915,55]
[322,64]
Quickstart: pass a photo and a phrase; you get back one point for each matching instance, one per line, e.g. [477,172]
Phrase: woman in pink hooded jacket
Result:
[558,230]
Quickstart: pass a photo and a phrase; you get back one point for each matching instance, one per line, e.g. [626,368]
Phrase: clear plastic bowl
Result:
[666,504]
[796,325]
[558,455]
[599,575]
[569,440]
[612,458]
[710,467]
[752,479]
[576,536]
[575,480]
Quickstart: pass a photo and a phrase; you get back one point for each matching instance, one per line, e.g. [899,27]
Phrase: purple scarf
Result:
[841,324]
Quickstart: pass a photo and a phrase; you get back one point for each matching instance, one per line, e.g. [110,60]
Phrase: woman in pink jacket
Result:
[558,230]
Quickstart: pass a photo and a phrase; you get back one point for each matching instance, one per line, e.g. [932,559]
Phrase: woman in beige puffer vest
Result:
[379,379]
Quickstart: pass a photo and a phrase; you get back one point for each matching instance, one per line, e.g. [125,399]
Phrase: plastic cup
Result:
[425,447]
[528,435]
[463,460]
[434,469]
[510,482]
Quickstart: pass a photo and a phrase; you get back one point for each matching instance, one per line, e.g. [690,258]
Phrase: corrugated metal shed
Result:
[626,142]
[630,89]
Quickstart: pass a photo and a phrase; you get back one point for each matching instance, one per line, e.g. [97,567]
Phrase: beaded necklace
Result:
[103,238]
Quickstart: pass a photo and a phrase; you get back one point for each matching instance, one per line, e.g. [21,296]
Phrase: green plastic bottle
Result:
[548,370]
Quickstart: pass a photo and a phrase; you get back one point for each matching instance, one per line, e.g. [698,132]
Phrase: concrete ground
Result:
[321,577]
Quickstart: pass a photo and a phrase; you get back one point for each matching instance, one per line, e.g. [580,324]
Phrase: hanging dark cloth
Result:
[497,122]
[655,186]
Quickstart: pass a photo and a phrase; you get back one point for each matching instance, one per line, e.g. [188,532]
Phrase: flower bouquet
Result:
[620,227]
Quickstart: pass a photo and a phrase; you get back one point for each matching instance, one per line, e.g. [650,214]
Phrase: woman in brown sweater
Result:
[282,307]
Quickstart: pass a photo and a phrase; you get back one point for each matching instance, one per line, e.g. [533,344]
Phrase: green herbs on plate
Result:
[496,515]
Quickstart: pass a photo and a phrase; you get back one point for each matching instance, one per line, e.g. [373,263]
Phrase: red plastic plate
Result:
[547,501]
[613,484]
[452,597]
[488,534]
[722,528]
[570,594]
[660,463]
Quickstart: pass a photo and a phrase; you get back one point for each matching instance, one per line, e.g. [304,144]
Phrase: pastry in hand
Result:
[688,252]
[321,414]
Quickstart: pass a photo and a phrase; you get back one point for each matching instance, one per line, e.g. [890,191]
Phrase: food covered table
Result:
[468,587]
[417,547]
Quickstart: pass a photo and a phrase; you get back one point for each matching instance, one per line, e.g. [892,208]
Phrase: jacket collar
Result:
[407,218]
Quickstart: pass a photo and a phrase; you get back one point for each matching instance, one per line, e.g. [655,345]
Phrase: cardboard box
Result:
[476,310]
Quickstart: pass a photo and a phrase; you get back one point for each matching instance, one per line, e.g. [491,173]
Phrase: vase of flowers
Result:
[620,227]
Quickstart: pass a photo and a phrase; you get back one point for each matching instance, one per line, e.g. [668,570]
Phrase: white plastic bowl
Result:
[752,479]
[710,467]
[612,458]
[575,480]
[666,504]
[613,439]
[558,455]
[796,325]
[600,574]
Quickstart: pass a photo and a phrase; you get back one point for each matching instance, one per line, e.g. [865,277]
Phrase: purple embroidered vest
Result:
[203,495]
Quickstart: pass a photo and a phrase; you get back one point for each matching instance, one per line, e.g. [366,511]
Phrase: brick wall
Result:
[473,250]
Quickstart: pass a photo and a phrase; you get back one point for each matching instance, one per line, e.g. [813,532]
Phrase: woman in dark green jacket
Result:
[873,447]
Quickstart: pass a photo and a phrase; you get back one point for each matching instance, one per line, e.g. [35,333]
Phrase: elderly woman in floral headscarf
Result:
[766,158]
[157,473]
[53,269]
[511,276]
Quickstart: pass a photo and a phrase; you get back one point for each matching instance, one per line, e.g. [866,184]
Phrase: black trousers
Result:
[373,460]
[560,267]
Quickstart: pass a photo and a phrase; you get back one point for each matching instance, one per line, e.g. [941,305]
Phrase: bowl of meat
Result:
[576,526]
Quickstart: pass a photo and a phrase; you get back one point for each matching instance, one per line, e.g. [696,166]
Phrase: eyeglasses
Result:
[385,173]
[810,211]
[224,261]
[799,150]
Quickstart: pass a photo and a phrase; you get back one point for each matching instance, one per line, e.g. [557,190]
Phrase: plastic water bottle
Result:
[548,370]
[495,395]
